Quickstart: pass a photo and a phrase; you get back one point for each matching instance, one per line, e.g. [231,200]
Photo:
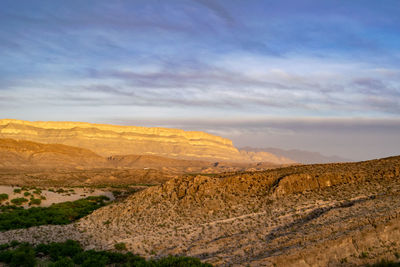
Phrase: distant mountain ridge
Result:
[20,154]
[300,156]
[108,140]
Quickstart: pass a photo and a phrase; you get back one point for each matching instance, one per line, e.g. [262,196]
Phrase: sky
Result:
[314,75]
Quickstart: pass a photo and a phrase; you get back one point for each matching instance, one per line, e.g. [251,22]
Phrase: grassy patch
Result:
[61,213]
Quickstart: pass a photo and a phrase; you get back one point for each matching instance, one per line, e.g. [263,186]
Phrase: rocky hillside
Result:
[20,154]
[32,163]
[315,215]
[108,140]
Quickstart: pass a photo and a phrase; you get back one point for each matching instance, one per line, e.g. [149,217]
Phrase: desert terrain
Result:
[225,213]
[200,133]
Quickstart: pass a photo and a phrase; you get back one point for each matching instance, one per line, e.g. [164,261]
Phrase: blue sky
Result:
[314,75]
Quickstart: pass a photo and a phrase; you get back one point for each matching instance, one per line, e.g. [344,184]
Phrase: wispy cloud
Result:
[218,10]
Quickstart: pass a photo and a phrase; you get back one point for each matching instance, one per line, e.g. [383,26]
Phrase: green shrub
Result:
[19,201]
[24,255]
[70,253]
[385,263]
[37,191]
[363,255]
[63,262]
[35,201]
[120,246]
[27,194]
[95,260]
[60,213]
[3,197]
[17,190]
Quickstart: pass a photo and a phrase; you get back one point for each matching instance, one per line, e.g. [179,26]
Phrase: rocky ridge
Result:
[314,215]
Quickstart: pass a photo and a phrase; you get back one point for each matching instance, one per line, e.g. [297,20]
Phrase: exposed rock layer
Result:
[107,140]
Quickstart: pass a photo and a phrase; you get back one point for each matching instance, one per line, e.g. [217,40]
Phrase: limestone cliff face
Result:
[109,140]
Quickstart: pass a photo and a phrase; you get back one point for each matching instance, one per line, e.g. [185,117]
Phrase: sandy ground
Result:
[54,197]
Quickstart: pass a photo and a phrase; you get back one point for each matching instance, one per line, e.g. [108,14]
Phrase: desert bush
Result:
[35,201]
[19,201]
[37,191]
[70,253]
[363,255]
[385,263]
[61,213]
[63,262]
[17,190]
[23,255]
[3,197]
[120,246]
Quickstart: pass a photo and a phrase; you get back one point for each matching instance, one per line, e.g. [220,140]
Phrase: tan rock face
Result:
[107,140]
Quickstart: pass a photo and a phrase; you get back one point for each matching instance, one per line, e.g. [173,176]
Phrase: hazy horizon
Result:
[319,76]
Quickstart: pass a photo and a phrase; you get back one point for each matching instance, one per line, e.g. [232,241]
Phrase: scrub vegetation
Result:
[13,217]
[70,253]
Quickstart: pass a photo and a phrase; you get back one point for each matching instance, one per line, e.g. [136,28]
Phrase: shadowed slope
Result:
[22,153]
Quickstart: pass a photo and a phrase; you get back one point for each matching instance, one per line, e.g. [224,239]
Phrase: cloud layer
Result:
[191,61]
